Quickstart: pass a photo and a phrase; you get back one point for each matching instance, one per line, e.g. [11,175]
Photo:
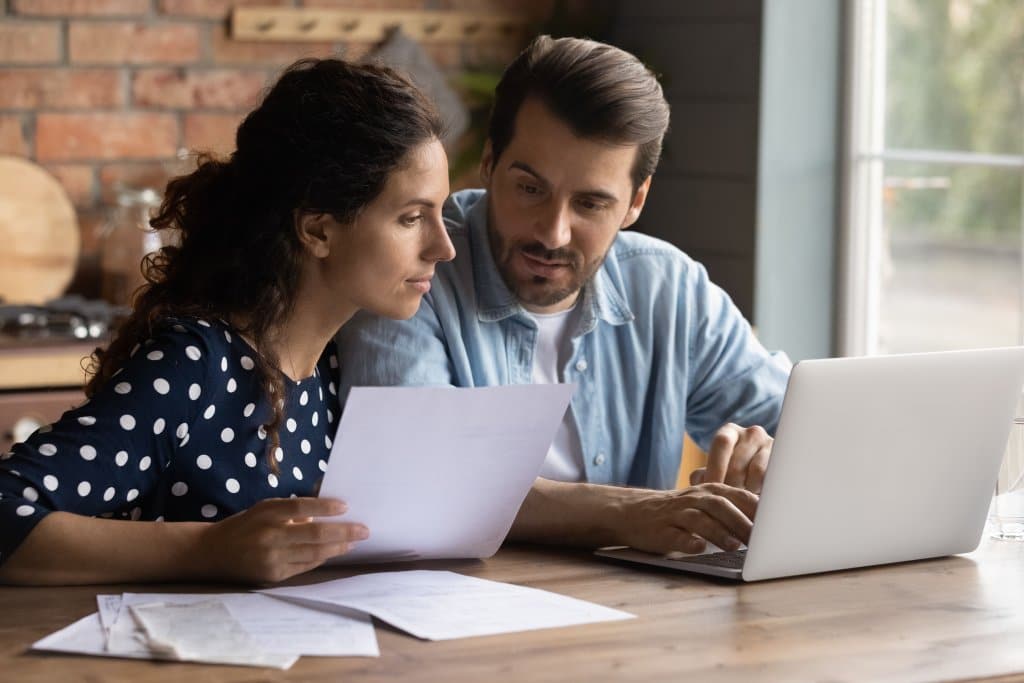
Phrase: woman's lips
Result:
[421,284]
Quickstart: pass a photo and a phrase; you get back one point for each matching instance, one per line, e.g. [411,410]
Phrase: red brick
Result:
[447,56]
[91,222]
[528,9]
[65,8]
[137,174]
[213,9]
[60,89]
[227,50]
[354,50]
[219,89]
[29,42]
[78,180]
[366,4]
[72,137]
[12,136]
[129,42]
[496,55]
[211,132]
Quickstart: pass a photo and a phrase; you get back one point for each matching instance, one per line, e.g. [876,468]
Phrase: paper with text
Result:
[440,605]
[440,472]
[277,627]
[202,631]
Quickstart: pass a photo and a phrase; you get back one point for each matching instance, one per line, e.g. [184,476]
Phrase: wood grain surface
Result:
[39,238]
[956,618]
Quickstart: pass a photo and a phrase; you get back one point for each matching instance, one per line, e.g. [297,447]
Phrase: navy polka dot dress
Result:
[176,435]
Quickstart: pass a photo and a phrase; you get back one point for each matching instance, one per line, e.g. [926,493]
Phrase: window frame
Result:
[864,156]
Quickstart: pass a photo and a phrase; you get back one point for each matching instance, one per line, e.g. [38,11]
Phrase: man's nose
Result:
[554,228]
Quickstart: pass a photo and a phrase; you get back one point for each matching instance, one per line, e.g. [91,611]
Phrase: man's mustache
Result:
[538,250]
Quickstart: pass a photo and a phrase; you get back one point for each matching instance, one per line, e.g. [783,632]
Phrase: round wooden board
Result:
[39,238]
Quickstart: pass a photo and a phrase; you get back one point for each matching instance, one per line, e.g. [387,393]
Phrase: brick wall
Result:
[107,91]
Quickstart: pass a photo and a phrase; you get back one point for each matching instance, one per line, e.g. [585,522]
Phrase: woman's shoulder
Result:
[199,339]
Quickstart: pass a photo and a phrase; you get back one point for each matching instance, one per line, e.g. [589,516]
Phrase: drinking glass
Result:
[1006,515]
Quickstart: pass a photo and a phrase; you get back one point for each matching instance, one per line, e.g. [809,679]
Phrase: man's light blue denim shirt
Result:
[659,350]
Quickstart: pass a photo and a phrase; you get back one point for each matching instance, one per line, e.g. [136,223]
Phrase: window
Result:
[934,223]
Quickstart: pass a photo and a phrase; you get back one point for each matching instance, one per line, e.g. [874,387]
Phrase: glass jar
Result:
[125,238]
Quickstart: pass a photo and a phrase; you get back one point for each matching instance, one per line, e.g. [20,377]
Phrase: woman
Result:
[210,415]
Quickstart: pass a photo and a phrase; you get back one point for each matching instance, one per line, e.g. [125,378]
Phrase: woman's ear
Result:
[313,231]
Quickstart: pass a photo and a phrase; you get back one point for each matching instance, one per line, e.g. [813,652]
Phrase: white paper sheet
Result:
[109,606]
[440,472]
[440,605]
[202,631]
[84,637]
[277,627]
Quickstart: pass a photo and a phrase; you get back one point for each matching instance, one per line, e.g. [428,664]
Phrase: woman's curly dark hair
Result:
[324,140]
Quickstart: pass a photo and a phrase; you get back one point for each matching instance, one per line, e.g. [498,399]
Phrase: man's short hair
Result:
[600,91]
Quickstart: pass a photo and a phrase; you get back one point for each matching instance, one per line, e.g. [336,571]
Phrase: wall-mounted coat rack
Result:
[310,24]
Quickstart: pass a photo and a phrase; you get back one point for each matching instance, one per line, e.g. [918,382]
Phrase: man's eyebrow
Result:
[523,166]
[593,194]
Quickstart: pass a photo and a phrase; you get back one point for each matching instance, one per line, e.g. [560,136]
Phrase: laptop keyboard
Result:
[731,560]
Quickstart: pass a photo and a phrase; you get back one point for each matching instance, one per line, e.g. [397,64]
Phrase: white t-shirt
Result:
[554,347]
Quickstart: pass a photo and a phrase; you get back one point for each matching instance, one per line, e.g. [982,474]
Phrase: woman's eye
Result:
[411,221]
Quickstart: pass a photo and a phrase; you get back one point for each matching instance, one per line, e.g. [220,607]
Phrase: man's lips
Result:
[542,267]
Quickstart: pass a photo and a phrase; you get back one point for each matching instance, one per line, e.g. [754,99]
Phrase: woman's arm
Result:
[273,540]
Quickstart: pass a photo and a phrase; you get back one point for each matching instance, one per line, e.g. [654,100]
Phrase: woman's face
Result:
[384,260]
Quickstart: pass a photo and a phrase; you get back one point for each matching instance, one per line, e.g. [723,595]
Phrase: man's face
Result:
[555,204]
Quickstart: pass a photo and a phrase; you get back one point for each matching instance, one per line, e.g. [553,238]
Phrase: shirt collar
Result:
[602,297]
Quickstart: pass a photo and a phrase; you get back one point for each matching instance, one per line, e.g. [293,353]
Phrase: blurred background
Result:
[850,171]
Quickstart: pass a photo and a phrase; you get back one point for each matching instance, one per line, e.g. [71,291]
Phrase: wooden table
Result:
[956,618]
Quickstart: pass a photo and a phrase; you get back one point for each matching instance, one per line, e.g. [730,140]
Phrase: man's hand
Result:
[738,456]
[593,515]
[665,521]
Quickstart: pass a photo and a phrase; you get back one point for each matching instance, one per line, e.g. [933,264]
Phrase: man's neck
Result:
[558,307]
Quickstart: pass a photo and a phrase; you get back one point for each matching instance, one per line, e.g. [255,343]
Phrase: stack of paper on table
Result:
[226,628]
[275,626]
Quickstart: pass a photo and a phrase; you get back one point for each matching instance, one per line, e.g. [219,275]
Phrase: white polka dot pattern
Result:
[179,434]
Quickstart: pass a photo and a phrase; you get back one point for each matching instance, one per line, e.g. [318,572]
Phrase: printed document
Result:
[441,605]
[439,472]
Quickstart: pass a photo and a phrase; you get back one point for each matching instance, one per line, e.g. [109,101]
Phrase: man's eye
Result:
[529,189]
[588,205]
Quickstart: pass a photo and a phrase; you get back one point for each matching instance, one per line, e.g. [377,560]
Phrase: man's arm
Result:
[591,516]
[733,378]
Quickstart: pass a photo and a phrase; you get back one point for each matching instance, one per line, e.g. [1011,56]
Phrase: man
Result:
[545,288]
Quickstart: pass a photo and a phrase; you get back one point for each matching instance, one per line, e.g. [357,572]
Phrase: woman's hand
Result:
[277,538]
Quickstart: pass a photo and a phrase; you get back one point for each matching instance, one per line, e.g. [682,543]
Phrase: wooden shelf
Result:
[44,366]
[325,25]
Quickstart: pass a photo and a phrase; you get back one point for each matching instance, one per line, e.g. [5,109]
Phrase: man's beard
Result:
[544,292]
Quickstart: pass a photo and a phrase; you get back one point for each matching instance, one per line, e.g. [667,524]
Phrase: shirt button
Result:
[581,365]
[599,460]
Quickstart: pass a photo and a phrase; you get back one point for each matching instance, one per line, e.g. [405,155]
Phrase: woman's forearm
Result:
[65,549]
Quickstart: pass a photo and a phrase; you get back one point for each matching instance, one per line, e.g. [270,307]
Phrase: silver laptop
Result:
[876,460]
